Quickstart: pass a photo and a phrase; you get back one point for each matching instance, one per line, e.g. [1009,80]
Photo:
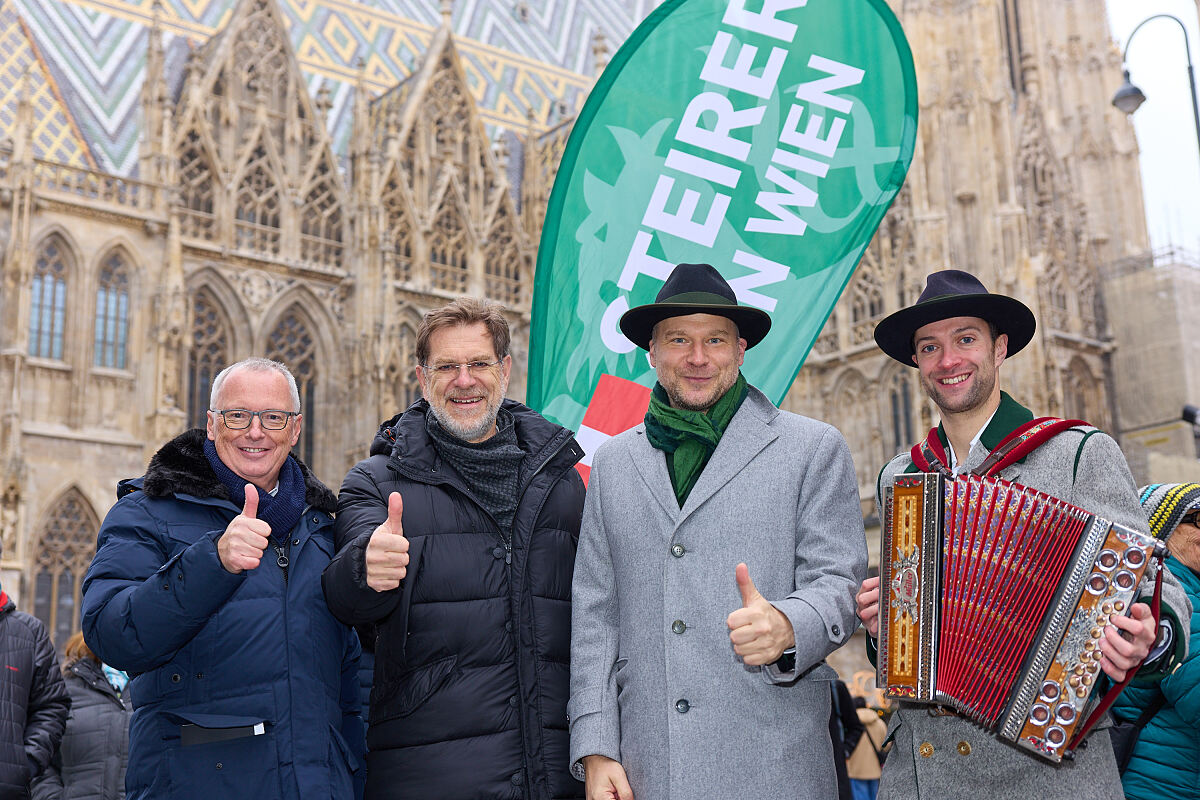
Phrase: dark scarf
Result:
[491,468]
[690,437]
[282,512]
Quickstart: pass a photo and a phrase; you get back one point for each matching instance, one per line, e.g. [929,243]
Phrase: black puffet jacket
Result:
[471,671]
[33,700]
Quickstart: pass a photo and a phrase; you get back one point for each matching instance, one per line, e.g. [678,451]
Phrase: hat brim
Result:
[638,323]
[894,333]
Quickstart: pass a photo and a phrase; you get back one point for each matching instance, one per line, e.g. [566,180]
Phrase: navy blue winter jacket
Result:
[258,651]
[472,655]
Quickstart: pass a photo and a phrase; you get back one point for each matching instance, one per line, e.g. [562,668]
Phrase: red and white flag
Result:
[617,405]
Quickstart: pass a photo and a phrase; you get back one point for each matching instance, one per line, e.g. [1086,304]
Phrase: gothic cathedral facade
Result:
[250,225]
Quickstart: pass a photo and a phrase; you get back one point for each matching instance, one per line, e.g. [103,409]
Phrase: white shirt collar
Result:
[954,466]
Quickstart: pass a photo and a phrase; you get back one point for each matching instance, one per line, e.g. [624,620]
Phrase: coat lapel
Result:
[652,468]
[748,433]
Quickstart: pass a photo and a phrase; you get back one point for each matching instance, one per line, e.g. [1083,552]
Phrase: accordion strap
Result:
[930,456]
[1111,695]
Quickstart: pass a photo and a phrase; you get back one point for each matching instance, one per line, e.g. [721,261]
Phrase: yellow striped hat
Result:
[1166,503]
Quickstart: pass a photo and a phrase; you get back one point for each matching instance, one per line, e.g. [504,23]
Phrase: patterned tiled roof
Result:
[55,136]
[521,57]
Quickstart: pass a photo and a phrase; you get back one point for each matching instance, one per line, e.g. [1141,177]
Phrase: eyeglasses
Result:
[1191,518]
[237,419]
[476,368]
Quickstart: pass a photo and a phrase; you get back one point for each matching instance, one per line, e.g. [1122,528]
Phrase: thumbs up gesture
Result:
[387,551]
[245,538]
[758,630]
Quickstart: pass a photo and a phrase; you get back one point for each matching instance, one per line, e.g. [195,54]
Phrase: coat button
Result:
[220,765]
[926,749]
[964,748]
[512,701]
[678,627]
[296,542]
[517,779]
[497,552]
[508,626]
[682,706]
[678,550]
[176,678]
[837,631]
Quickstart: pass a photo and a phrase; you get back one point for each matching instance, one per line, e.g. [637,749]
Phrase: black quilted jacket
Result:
[471,661]
[33,700]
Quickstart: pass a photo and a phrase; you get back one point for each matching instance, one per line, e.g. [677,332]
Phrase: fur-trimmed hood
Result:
[180,466]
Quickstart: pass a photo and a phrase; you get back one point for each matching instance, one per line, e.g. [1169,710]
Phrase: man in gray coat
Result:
[721,545]
[958,335]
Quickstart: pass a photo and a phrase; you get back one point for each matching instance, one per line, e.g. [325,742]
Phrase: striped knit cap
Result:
[1166,503]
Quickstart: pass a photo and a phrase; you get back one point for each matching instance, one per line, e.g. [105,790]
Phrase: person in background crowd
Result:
[207,583]
[1166,759]
[845,732]
[864,763]
[90,762]
[456,540]
[33,700]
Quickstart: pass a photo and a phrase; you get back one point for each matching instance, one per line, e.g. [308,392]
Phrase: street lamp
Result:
[1129,97]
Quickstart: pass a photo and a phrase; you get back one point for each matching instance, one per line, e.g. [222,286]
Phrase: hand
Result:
[387,552]
[759,631]
[868,605]
[604,779]
[1121,653]
[242,544]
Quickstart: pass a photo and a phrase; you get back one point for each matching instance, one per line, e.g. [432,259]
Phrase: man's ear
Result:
[1001,348]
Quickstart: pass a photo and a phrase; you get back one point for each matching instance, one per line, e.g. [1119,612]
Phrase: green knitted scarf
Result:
[689,437]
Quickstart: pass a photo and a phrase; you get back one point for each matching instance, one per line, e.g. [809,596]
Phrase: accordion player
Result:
[993,599]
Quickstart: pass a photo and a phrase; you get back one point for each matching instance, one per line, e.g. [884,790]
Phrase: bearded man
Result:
[457,538]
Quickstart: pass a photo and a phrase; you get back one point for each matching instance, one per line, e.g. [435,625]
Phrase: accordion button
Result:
[926,749]
[964,748]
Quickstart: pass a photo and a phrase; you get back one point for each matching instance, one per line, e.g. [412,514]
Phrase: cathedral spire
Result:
[152,155]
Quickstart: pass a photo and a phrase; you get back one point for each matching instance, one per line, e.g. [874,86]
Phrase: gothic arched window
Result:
[502,264]
[48,306]
[195,189]
[448,250]
[209,355]
[900,409]
[257,223]
[321,222]
[112,313]
[398,241]
[65,546]
[292,344]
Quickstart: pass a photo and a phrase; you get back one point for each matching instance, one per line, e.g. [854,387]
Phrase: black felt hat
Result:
[954,293]
[694,289]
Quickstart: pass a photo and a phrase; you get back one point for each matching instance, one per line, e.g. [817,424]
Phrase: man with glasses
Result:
[456,538]
[206,587]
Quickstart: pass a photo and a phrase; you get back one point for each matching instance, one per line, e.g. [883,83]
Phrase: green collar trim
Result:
[1009,416]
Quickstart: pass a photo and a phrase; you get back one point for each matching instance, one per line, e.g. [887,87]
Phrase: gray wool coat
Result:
[1083,467]
[655,683]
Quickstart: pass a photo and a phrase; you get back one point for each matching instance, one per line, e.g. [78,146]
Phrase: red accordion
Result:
[993,598]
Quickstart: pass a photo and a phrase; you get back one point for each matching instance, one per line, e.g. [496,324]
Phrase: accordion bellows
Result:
[993,599]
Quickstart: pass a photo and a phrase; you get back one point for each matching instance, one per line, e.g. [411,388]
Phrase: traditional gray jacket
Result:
[950,757]
[655,683]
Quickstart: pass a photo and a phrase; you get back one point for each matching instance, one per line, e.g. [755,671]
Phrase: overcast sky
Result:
[1166,132]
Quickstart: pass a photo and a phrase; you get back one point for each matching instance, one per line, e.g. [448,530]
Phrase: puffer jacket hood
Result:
[180,467]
